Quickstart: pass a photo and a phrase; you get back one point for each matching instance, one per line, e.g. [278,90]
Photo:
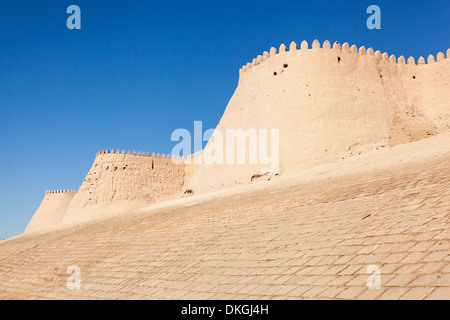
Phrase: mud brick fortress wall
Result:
[116,183]
[51,210]
[117,176]
[329,102]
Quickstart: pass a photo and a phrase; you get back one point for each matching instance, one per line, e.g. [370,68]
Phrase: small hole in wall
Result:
[381,76]
[275,73]
[339,59]
[414,77]
[285,65]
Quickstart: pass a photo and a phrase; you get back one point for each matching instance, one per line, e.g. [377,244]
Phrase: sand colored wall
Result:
[51,210]
[329,103]
[119,182]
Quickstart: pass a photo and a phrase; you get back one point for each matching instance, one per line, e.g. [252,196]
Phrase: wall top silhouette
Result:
[345,47]
[142,154]
[176,159]
[60,192]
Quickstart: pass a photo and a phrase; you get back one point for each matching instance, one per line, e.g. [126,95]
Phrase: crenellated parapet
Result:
[176,158]
[73,192]
[344,47]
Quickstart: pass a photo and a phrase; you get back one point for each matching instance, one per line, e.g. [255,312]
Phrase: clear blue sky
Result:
[137,70]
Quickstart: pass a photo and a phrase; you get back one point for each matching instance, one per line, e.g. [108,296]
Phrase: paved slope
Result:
[306,236]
